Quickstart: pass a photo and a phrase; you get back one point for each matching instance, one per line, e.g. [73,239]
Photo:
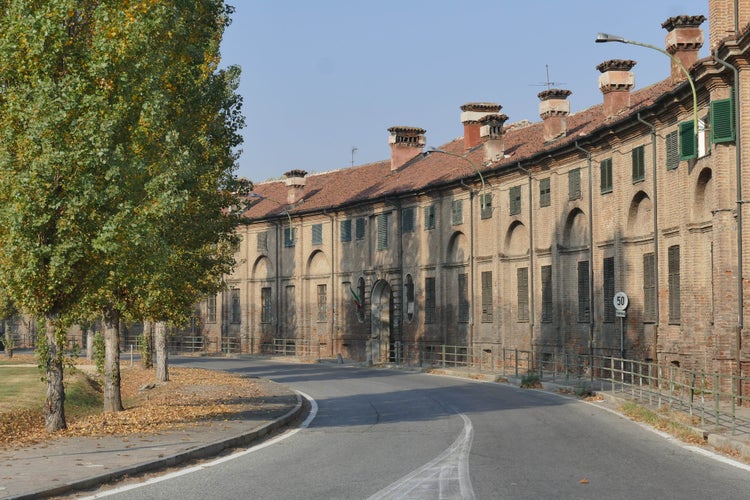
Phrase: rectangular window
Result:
[262,242]
[211,309]
[609,289]
[359,228]
[485,205]
[235,307]
[547,294]
[522,277]
[407,220]
[583,292]
[638,160]
[463,298]
[429,217]
[673,151]
[345,228]
[574,184]
[265,303]
[545,198]
[289,237]
[457,212]
[322,302]
[649,287]
[722,120]
[515,200]
[430,306]
[383,233]
[605,175]
[487,297]
[673,263]
[317,234]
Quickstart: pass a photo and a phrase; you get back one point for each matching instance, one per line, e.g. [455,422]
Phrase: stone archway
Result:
[381,312]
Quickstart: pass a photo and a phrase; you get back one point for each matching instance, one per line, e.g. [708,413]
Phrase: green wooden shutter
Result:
[722,120]
[688,141]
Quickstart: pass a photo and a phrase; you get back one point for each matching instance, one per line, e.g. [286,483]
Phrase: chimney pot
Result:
[616,81]
[471,113]
[406,143]
[554,110]
[683,41]
[295,183]
[492,134]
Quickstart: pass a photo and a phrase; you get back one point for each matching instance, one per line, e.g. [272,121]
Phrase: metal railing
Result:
[300,348]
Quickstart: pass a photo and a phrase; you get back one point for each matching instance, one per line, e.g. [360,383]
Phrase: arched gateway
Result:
[381,312]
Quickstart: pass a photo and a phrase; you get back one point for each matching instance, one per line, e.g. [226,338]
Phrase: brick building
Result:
[518,235]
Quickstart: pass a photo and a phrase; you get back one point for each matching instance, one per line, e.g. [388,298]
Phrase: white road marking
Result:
[445,477]
[190,470]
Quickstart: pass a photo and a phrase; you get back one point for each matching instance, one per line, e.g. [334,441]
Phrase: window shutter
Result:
[383,220]
[722,120]
[429,217]
[360,228]
[515,200]
[457,215]
[407,220]
[544,192]
[673,151]
[688,142]
[346,230]
[317,234]
[574,184]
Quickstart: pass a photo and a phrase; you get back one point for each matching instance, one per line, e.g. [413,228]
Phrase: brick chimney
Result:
[491,132]
[554,110]
[684,40]
[406,143]
[471,113]
[295,184]
[616,82]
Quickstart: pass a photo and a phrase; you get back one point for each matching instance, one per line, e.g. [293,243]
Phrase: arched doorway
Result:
[381,309]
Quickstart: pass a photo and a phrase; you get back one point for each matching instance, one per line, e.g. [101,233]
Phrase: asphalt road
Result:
[381,433]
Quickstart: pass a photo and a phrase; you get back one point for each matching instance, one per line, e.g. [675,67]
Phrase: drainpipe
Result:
[532,312]
[656,236]
[591,255]
[333,277]
[740,202]
[279,235]
[471,263]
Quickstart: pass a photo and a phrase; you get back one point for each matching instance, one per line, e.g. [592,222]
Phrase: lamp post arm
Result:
[683,69]
[473,165]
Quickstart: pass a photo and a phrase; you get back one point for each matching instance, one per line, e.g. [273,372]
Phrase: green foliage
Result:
[99,354]
[531,381]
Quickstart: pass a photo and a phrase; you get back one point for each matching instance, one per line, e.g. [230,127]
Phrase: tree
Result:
[108,116]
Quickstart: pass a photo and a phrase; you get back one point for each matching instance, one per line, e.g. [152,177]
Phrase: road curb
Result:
[205,451]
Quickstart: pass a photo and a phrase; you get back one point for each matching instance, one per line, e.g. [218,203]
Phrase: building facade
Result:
[518,235]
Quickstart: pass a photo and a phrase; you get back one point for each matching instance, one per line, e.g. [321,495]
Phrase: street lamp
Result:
[253,194]
[482,200]
[606,37]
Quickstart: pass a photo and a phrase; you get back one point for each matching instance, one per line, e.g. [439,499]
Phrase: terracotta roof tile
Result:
[350,186]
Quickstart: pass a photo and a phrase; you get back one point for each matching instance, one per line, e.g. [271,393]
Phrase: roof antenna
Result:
[354,150]
[548,83]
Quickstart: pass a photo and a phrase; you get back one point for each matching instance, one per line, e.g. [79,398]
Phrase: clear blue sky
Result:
[321,77]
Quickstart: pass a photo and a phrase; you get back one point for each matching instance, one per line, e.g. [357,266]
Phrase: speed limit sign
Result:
[621,301]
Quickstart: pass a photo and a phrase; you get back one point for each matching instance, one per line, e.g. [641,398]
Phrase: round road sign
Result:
[621,301]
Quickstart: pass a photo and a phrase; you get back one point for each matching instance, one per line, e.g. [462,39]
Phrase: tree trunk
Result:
[160,339]
[147,347]
[112,396]
[8,339]
[54,405]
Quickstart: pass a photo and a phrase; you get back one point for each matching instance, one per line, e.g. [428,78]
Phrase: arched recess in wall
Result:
[517,240]
[458,248]
[317,264]
[704,196]
[640,218]
[262,269]
[576,232]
